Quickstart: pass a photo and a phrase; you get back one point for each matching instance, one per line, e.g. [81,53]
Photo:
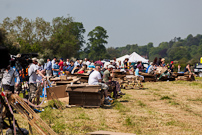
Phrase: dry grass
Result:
[163,108]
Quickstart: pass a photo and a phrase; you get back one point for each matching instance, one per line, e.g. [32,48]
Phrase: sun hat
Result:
[34,59]
[111,66]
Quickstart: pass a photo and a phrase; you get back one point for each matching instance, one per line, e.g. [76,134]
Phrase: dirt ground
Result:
[161,108]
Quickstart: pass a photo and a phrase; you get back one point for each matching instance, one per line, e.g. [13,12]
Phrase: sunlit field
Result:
[161,108]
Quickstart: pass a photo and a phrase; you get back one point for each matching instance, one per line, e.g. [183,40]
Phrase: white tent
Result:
[134,57]
[122,58]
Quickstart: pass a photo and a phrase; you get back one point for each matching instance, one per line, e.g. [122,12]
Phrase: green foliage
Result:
[113,52]
[96,45]
[64,38]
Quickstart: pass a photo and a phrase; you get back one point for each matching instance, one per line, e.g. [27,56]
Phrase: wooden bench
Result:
[85,95]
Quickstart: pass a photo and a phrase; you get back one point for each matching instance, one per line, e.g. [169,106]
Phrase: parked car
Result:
[198,69]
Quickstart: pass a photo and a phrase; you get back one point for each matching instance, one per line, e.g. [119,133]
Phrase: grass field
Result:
[162,108]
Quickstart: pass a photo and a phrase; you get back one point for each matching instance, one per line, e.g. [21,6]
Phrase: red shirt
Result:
[61,65]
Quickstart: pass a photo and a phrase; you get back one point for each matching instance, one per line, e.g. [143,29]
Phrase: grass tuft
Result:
[165,98]
[173,103]
[140,103]
[119,106]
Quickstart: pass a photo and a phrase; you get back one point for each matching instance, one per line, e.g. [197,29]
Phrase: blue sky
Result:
[126,21]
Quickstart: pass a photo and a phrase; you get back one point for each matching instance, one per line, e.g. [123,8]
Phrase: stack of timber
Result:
[85,95]
[184,77]
[132,82]
[148,77]
[119,74]
[30,116]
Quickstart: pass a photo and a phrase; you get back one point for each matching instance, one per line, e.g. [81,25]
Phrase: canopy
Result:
[134,57]
[122,58]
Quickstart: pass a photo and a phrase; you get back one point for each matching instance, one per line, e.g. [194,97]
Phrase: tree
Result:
[67,37]
[113,52]
[97,40]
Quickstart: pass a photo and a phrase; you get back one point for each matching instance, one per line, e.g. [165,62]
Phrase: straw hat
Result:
[163,59]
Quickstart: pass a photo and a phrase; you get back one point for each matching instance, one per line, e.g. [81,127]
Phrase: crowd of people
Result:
[99,73]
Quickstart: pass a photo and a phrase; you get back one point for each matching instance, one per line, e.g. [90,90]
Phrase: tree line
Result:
[188,50]
[63,37]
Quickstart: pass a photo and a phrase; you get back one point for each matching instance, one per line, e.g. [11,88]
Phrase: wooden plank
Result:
[83,89]
[108,133]
[65,82]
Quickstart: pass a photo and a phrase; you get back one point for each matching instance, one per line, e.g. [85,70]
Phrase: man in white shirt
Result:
[88,62]
[33,74]
[77,63]
[8,80]
[67,62]
[53,61]
[96,79]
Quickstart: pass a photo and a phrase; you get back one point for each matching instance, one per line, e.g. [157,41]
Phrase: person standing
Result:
[61,64]
[88,62]
[33,74]
[126,63]
[48,68]
[53,61]
[114,63]
[56,69]
[171,66]
[178,68]
[8,80]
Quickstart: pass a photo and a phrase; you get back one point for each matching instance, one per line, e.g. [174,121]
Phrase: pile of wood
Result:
[184,76]
[119,76]
[148,77]
[132,82]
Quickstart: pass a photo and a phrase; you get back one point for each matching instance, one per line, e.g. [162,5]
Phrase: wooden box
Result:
[56,92]
[85,95]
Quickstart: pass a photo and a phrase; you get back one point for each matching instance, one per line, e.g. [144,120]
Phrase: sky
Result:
[126,21]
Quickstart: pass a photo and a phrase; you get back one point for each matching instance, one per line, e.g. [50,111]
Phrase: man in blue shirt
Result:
[56,69]
[137,72]
[70,67]
[48,67]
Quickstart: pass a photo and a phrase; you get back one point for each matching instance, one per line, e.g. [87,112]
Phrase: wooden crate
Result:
[85,95]
[59,91]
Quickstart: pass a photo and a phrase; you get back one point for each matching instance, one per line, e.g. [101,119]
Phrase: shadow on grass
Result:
[123,101]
